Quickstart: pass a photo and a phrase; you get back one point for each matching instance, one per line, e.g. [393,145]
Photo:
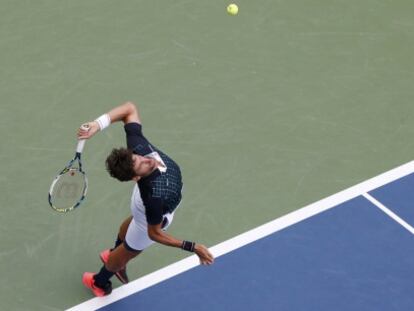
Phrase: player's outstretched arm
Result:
[126,113]
[158,235]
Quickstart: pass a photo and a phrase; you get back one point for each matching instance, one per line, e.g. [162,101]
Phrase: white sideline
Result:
[390,213]
[248,237]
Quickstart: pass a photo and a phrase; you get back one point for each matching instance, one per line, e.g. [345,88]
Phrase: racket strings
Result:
[68,190]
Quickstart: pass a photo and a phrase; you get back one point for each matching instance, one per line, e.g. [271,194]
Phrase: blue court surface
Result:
[351,251]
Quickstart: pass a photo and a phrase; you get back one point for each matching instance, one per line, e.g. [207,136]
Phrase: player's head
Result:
[119,164]
[124,165]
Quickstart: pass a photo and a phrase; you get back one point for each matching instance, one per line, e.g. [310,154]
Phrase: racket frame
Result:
[79,149]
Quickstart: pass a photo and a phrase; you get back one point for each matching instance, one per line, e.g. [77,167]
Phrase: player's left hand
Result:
[206,258]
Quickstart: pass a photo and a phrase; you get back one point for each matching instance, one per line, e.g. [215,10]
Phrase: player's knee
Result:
[129,251]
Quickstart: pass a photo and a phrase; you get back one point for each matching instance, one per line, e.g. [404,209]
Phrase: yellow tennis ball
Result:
[232,9]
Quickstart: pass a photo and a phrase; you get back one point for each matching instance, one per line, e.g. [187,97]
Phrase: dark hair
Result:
[119,164]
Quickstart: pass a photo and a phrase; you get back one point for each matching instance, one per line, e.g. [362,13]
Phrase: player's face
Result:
[143,166]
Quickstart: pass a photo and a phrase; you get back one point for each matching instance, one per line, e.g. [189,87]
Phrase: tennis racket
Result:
[69,187]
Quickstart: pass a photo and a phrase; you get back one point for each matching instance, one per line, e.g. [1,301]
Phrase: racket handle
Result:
[81,142]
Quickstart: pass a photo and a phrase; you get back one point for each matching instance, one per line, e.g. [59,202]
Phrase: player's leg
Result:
[119,257]
[121,273]
[104,255]
[121,234]
[123,228]
[100,283]
[136,240]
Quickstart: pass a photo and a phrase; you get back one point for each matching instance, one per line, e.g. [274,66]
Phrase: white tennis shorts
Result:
[137,234]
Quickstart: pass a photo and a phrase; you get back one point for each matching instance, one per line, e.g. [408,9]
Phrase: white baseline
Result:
[247,237]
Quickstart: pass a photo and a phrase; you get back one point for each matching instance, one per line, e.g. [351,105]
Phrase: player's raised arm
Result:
[126,113]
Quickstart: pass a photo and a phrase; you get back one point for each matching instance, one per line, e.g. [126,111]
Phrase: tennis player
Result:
[155,197]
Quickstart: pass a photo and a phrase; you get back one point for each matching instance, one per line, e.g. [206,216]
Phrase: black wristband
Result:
[188,246]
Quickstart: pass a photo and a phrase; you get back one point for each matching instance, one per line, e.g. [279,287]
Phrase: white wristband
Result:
[104,121]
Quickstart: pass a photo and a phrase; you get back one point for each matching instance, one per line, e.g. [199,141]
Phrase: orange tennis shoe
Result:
[89,282]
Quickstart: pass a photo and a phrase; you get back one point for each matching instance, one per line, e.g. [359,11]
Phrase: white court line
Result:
[247,237]
[390,213]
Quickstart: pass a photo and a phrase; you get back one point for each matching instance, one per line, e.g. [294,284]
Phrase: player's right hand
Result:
[93,128]
[206,258]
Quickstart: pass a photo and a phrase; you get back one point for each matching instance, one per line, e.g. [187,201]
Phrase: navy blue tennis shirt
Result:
[160,191]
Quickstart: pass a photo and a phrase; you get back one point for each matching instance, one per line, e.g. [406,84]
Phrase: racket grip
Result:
[81,142]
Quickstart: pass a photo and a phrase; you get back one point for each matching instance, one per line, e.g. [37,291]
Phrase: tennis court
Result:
[350,251]
[266,112]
